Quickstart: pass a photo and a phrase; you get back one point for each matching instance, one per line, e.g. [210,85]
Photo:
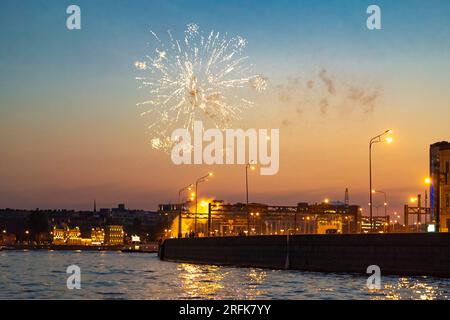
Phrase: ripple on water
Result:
[112,275]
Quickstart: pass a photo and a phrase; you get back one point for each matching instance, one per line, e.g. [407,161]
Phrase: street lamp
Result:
[251,167]
[376,139]
[27,233]
[199,180]
[428,184]
[187,188]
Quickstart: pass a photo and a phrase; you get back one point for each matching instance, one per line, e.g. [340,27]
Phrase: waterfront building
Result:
[69,236]
[114,235]
[14,222]
[73,236]
[440,184]
[219,219]
[58,236]
[380,224]
[98,236]
[7,239]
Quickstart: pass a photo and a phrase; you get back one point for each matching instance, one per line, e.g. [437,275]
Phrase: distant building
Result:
[59,236]
[261,219]
[7,239]
[332,217]
[73,236]
[98,236]
[114,235]
[380,224]
[440,184]
[69,236]
[14,221]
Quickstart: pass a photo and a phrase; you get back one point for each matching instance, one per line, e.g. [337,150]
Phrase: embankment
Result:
[401,254]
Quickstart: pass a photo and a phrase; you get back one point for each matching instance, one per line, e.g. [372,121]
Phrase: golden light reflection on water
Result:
[109,275]
[252,283]
[213,282]
[200,281]
[410,288]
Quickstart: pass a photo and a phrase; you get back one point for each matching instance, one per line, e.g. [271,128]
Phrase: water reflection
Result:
[417,288]
[200,282]
[112,275]
[256,280]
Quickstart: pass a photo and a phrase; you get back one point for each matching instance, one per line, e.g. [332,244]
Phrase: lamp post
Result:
[27,234]
[199,180]
[376,139]
[187,188]
[414,200]
[428,184]
[247,166]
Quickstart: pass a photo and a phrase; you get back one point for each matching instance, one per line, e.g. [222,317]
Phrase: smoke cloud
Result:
[323,95]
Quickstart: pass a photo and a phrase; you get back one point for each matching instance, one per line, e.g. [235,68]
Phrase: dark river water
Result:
[113,275]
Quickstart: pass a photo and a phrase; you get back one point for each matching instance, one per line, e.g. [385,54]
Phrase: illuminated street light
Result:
[199,180]
[413,199]
[326,201]
[428,183]
[376,139]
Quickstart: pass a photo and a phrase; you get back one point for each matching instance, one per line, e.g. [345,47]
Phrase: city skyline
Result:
[70,131]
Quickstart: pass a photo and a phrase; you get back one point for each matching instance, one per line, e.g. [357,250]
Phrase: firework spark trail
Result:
[199,78]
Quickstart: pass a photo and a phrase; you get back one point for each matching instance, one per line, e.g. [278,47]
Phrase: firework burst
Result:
[201,77]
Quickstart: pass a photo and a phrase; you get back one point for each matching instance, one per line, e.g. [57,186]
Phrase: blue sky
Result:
[279,32]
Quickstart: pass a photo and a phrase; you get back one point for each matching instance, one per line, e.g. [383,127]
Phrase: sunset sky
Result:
[70,131]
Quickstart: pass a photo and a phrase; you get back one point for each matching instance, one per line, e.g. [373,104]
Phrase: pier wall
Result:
[402,254]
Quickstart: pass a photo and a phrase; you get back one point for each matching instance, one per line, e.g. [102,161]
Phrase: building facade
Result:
[219,219]
[114,235]
[69,236]
[98,236]
[440,184]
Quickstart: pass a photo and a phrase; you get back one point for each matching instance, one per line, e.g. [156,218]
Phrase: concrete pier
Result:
[400,254]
